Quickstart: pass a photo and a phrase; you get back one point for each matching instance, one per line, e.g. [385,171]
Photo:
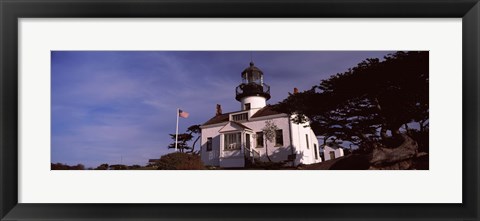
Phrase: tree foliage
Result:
[182,143]
[194,130]
[184,138]
[368,104]
[269,132]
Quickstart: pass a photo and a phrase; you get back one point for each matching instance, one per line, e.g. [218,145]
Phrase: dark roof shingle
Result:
[265,111]
[217,119]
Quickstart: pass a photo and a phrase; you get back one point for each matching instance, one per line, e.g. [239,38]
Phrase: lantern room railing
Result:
[252,89]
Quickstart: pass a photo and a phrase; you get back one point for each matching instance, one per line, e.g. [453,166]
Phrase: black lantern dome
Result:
[252,84]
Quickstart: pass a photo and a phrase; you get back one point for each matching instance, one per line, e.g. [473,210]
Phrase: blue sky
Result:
[119,106]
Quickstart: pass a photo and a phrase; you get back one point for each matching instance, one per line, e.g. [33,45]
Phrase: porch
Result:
[236,142]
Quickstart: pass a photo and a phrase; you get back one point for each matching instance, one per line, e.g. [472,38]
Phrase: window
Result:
[278,138]
[316,151]
[209,144]
[247,106]
[308,145]
[240,117]
[232,141]
[259,139]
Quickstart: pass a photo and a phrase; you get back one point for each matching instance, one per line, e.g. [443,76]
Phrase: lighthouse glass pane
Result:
[250,78]
[254,77]
[232,141]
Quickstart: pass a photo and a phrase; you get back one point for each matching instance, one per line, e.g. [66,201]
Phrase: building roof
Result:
[265,111]
[233,126]
[251,68]
[241,125]
[217,119]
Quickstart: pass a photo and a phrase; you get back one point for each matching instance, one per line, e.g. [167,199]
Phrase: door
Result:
[247,141]
[332,155]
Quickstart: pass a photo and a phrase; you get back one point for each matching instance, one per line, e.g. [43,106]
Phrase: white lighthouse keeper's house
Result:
[232,139]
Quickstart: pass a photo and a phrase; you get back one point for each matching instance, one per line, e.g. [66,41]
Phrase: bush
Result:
[180,161]
[60,166]
[118,167]
[102,167]
[134,167]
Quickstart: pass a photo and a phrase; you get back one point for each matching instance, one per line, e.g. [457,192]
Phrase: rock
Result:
[398,158]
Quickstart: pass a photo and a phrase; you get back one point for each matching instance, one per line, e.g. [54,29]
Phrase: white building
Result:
[332,151]
[232,139]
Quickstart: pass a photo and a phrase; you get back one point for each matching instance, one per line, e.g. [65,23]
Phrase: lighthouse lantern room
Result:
[252,92]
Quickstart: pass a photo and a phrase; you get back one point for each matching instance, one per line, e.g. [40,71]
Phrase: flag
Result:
[183,114]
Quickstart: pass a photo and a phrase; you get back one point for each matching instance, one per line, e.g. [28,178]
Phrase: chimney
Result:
[295,90]
[219,110]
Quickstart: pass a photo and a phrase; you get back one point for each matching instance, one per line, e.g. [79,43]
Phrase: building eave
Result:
[214,125]
[243,127]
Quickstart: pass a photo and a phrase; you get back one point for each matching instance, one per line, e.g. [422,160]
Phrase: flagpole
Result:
[176,132]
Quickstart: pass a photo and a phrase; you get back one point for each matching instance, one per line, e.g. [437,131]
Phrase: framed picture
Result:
[45,44]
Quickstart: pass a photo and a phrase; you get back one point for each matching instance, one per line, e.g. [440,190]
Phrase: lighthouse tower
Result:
[252,92]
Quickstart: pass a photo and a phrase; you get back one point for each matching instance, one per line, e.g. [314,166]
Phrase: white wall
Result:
[232,162]
[276,153]
[256,102]
[339,152]
[305,155]
[217,157]
[210,157]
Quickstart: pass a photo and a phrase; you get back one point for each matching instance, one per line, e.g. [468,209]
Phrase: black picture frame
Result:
[12,10]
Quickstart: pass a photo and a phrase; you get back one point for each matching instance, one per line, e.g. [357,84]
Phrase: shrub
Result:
[180,161]
[118,167]
[60,166]
[134,167]
[102,167]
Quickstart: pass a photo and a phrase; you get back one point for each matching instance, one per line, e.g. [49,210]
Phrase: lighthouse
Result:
[252,93]
[235,139]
